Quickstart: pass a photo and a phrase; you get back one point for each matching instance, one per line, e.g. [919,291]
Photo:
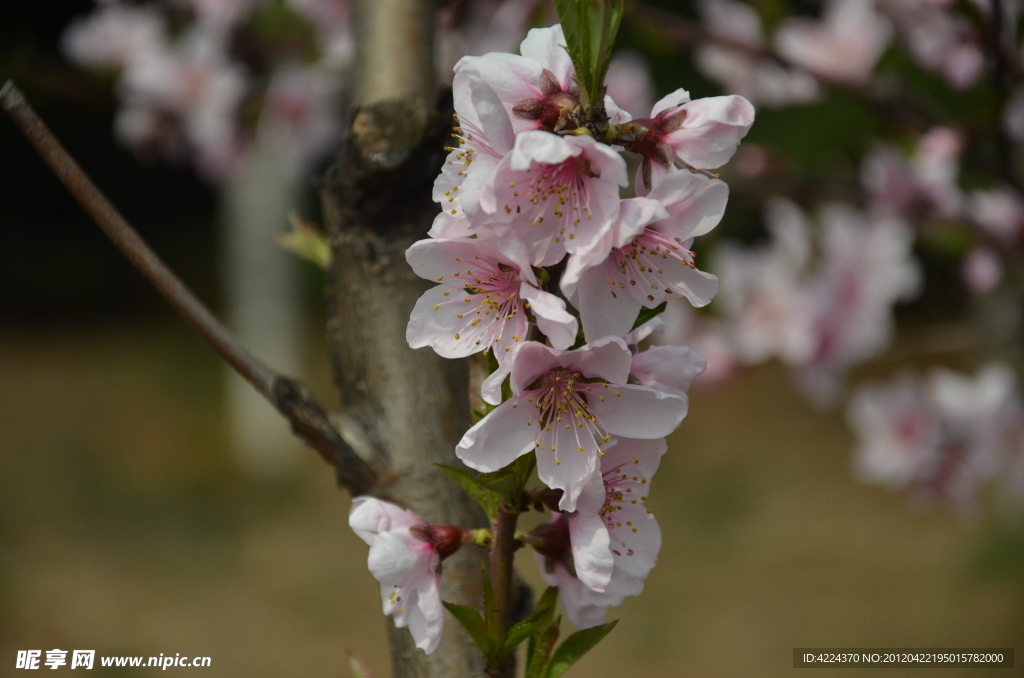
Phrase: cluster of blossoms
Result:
[541,266]
[842,47]
[942,436]
[819,300]
[184,85]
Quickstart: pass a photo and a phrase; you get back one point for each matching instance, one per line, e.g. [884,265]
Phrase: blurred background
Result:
[852,468]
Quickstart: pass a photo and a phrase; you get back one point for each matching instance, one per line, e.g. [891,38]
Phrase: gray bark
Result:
[402,409]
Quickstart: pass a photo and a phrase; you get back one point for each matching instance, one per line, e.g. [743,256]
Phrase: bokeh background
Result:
[130,522]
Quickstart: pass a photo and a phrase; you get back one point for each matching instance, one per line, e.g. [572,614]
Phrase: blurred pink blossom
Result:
[1000,211]
[736,66]
[939,39]
[924,185]
[982,270]
[629,82]
[333,24]
[844,46]
[114,36]
[301,114]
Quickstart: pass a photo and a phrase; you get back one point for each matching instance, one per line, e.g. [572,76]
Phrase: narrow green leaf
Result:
[649,313]
[504,482]
[540,650]
[474,624]
[468,484]
[575,646]
[524,467]
[528,627]
[548,599]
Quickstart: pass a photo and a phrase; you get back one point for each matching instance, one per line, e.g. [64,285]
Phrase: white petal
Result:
[546,46]
[370,516]
[637,412]
[554,321]
[501,437]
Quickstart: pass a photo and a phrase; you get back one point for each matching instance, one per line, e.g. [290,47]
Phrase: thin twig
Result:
[308,419]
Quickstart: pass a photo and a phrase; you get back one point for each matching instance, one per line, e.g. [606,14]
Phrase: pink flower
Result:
[762,81]
[981,270]
[300,113]
[114,36]
[487,294]
[405,557]
[938,39]
[558,194]
[611,528]
[645,258]
[583,606]
[1000,212]
[898,432]
[763,294]
[702,134]
[671,369]
[844,46]
[568,405]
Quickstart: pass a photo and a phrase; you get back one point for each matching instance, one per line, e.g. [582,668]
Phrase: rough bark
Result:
[402,409]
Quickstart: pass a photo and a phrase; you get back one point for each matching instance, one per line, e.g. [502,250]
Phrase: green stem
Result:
[503,548]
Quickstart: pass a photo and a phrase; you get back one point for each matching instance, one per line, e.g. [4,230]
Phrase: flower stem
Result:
[503,548]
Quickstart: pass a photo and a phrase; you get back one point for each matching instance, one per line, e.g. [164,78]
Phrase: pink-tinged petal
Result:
[442,322]
[562,465]
[604,160]
[605,309]
[541,147]
[554,321]
[658,172]
[671,369]
[712,130]
[670,101]
[546,46]
[653,285]
[511,77]
[616,114]
[643,456]
[532,360]
[426,616]
[490,389]
[590,551]
[516,253]
[483,117]
[440,258]
[399,559]
[607,358]
[695,203]
[583,607]
[637,411]
[370,516]
[635,214]
[447,225]
[501,437]
[639,541]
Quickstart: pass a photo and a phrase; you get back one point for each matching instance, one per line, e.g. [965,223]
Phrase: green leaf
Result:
[471,486]
[649,313]
[474,625]
[524,467]
[531,626]
[505,483]
[575,646]
[306,242]
[548,599]
[540,649]
[590,27]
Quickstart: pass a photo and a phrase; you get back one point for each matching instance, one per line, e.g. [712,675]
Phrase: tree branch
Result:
[307,417]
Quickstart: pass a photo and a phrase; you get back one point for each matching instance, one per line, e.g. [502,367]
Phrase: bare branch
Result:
[307,417]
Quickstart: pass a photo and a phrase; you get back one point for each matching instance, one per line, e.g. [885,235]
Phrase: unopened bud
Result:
[446,539]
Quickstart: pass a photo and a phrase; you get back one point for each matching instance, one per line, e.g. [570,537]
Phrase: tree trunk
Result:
[403,410]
